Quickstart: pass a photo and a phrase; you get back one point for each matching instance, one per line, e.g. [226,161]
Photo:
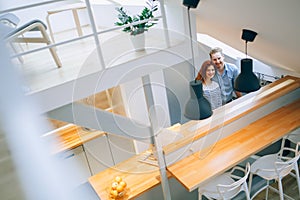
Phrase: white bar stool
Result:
[227,185]
[275,167]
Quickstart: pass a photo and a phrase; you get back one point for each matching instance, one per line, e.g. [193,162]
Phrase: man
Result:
[225,76]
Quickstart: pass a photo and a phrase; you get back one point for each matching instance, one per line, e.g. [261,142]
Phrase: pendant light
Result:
[191,3]
[247,81]
[197,107]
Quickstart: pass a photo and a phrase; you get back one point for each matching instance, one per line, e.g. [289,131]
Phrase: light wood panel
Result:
[71,136]
[110,100]
[200,167]
[55,124]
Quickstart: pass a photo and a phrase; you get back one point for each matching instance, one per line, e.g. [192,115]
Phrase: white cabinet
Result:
[76,159]
[122,148]
[108,150]
[98,154]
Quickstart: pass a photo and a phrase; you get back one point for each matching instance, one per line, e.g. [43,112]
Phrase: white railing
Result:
[94,33]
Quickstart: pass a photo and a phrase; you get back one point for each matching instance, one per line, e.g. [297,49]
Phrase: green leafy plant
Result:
[147,13]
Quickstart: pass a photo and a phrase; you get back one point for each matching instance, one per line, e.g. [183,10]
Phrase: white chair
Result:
[275,167]
[227,185]
[12,33]
[294,136]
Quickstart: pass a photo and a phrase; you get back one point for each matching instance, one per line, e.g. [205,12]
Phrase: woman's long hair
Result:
[202,72]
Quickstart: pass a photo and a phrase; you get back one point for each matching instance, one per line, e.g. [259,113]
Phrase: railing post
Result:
[154,126]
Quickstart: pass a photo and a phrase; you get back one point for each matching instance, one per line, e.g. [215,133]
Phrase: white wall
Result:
[234,56]
[134,99]
[135,106]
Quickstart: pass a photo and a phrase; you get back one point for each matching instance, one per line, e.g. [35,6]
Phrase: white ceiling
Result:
[277,23]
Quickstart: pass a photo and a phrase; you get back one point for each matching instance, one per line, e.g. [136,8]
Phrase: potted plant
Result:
[137,30]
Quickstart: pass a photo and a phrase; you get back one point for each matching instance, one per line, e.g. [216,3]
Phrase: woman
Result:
[211,89]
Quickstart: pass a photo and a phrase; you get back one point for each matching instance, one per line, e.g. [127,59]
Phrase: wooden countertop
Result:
[72,136]
[199,167]
[140,177]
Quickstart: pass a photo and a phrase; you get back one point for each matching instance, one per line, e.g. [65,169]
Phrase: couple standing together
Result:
[218,78]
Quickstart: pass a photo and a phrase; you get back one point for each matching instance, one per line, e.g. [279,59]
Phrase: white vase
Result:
[138,41]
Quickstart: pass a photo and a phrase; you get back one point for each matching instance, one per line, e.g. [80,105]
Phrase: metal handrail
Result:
[95,33]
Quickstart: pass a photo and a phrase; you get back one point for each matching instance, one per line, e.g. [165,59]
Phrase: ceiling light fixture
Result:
[247,81]
[197,107]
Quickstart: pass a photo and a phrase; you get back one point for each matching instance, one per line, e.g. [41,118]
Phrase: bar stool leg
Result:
[267,190]
[250,182]
[199,194]
[50,28]
[246,191]
[280,189]
[77,22]
[52,49]
[297,177]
